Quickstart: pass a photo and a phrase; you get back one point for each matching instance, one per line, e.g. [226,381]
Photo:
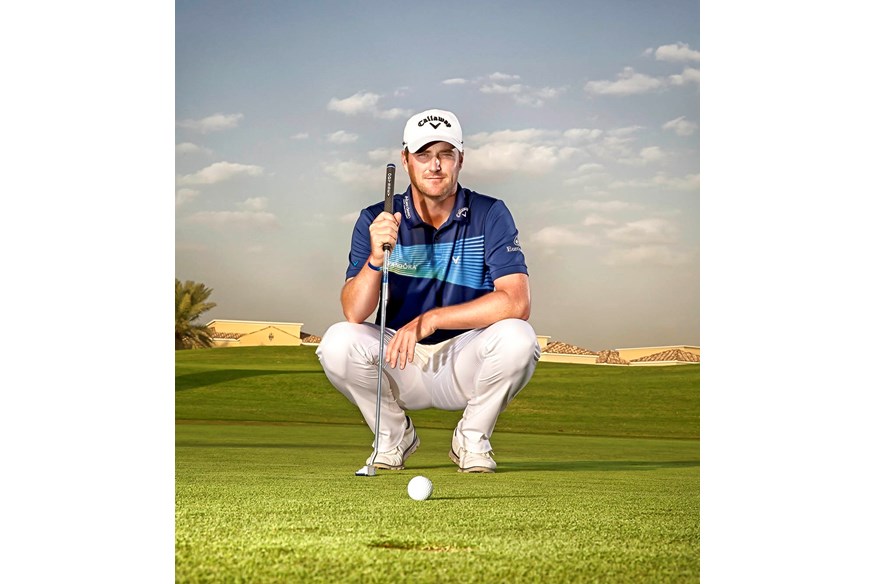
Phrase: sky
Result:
[582,116]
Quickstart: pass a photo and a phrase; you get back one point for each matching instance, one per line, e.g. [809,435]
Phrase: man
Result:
[457,308]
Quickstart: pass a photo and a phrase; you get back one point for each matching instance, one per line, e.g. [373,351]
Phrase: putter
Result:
[389,189]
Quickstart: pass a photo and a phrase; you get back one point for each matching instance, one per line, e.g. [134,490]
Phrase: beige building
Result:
[250,333]
[559,352]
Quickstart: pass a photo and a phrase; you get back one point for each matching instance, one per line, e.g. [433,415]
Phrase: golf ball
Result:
[420,488]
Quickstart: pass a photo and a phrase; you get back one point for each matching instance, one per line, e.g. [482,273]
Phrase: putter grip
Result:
[388,194]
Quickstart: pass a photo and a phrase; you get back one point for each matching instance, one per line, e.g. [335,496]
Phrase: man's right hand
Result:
[384,229]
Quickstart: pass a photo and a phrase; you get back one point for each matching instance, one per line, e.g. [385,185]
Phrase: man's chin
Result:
[438,191]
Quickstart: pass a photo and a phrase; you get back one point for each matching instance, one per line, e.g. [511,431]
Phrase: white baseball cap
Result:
[432,125]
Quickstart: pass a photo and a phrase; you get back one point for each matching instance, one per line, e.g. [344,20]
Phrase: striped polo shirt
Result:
[431,267]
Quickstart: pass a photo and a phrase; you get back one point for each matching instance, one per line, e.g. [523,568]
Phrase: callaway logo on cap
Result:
[432,126]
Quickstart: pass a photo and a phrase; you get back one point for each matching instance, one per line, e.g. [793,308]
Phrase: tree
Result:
[191,303]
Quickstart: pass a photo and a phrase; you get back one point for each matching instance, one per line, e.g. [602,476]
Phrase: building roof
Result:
[217,335]
[670,355]
[561,348]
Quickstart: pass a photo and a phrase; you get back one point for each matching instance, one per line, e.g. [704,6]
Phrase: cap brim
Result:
[417,145]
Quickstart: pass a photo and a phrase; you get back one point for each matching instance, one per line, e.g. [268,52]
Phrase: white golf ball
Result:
[420,488]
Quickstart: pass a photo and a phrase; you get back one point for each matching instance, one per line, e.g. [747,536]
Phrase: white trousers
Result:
[479,372]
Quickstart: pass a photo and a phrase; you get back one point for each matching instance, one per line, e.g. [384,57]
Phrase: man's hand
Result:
[384,229]
[400,349]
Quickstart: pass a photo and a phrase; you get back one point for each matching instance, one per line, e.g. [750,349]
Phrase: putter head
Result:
[366,471]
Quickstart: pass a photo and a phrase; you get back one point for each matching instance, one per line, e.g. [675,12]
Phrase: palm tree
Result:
[191,303]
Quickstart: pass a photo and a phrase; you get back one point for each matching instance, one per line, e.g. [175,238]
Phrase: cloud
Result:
[254,204]
[628,83]
[644,231]
[590,167]
[680,126]
[529,151]
[662,181]
[221,219]
[689,75]
[365,102]
[300,136]
[559,236]
[647,155]
[454,81]
[219,172]
[350,172]
[342,137]
[214,123]
[689,182]
[537,97]
[577,134]
[512,157]
[183,196]
[189,148]
[359,103]
[385,155]
[660,255]
[501,89]
[679,52]
[603,206]
[586,174]
[350,218]
[616,144]
[499,84]
[593,220]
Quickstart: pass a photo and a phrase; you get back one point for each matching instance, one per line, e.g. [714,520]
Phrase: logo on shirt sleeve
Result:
[515,247]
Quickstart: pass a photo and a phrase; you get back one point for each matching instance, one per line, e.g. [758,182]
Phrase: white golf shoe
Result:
[470,461]
[395,459]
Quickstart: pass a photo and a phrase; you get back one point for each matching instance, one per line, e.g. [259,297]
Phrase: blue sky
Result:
[582,116]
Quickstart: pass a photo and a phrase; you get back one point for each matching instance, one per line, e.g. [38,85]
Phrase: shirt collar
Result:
[459,213]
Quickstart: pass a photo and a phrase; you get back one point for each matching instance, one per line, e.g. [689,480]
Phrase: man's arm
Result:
[510,299]
[361,293]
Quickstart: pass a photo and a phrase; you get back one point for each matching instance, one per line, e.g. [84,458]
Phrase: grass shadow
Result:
[205,378]
[596,465]
[576,465]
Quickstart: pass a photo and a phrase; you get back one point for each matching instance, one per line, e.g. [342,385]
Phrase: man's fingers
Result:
[400,350]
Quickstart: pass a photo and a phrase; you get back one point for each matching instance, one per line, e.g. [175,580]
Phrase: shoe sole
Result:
[405,455]
[471,469]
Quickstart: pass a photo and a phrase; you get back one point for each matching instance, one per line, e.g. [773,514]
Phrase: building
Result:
[559,352]
[249,333]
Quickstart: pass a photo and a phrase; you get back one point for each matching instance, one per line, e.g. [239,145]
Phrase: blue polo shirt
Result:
[450,265]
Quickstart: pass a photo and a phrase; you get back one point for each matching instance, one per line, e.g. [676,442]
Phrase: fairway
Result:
[598,480]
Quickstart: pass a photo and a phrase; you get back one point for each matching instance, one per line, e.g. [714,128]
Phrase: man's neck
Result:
[433,211]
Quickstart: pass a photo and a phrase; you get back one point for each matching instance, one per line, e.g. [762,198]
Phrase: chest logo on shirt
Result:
[462,212]
[456,259]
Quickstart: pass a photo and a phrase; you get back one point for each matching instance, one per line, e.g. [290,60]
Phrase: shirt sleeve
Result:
[503,253]
[360,246]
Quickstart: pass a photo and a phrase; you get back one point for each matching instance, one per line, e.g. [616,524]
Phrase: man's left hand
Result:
[400,349]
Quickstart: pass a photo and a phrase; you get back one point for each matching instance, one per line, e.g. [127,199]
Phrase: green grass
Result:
[598,480]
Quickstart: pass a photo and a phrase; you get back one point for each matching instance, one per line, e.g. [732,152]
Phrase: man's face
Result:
[434,170]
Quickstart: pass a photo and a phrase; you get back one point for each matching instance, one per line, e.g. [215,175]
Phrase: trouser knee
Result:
[514,341]
[342,343]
